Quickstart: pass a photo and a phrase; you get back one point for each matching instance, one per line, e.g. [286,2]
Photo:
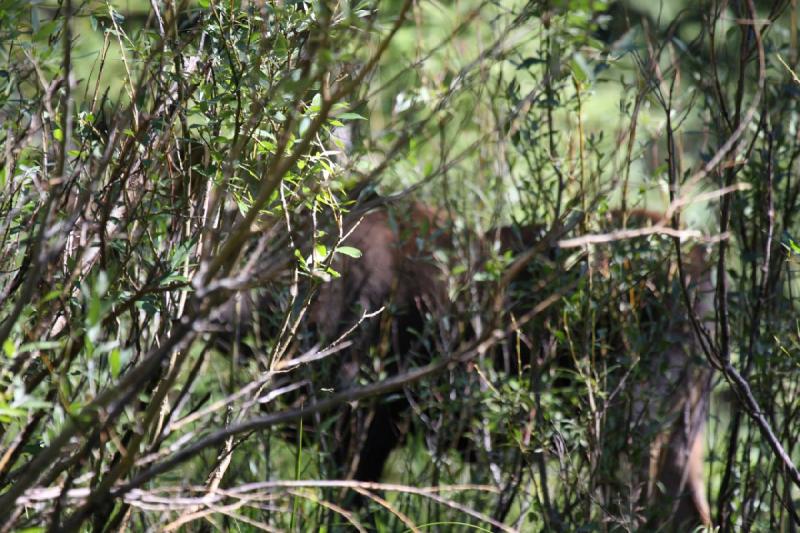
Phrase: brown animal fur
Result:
[397,270]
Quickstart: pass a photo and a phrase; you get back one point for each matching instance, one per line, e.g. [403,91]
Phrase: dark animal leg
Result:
[385,432]
[383,436]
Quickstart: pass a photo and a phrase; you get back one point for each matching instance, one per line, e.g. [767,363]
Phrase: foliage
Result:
[177,187]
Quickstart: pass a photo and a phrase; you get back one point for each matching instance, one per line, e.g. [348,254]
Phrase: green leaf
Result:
[304,124]
[115,362]
[181,252]
[350,116]
[581,68]
[320,252]
[790,244]
[45,31]
[39,346]
[301,259]
[349,251]
[9,349]
[12,412]
[316,101]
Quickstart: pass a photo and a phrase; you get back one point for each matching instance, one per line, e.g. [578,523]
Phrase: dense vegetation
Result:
[178,180]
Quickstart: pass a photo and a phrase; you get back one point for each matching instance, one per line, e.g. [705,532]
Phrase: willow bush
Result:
[167,164]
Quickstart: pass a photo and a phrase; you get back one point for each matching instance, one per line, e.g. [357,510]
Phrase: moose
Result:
[401,272]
